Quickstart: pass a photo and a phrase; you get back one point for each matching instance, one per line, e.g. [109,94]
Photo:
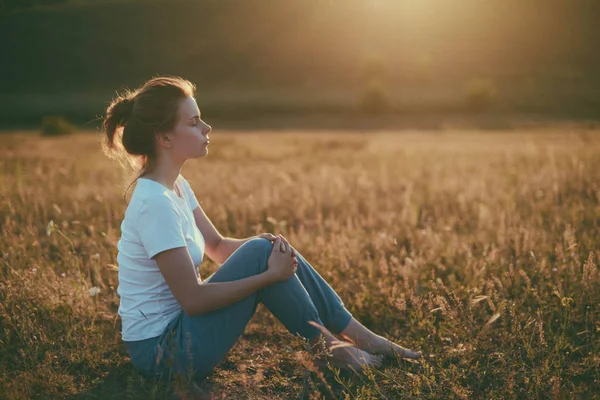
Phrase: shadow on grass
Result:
[123,382]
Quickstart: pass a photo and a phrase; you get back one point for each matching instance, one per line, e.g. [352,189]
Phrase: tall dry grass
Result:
[479,248]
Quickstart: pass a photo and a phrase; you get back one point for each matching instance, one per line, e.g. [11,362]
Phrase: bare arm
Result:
[196,298]
[212,237]
[226,248]
[218,248]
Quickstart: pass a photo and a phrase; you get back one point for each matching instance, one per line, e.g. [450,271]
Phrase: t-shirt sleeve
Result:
[159,225]
[190,194]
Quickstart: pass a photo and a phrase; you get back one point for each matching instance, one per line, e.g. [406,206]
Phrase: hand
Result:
[285,247]
[269,236]
[282,264]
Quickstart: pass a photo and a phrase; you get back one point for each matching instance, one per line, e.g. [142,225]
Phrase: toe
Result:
[414,354]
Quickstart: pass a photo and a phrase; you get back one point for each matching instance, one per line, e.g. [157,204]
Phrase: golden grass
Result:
[479,248]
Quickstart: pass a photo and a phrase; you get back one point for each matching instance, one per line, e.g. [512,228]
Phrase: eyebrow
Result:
[195,116]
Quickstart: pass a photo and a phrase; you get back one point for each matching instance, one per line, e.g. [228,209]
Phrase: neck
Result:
[165,172]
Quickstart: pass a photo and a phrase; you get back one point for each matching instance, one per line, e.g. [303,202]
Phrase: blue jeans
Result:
[194,346]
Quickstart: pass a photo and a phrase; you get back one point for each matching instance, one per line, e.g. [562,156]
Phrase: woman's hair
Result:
[133,119]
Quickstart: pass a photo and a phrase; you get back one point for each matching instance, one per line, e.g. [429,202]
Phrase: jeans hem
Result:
[341,322]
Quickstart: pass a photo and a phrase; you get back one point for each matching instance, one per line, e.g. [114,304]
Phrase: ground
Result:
[479,248]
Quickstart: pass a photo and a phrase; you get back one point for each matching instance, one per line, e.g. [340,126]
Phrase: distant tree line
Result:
[11,5]
[66,57]
[304,43]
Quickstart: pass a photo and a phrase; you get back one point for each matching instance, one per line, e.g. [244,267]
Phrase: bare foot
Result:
[380,345]
[389,349]
[361,337]
[349,357]
[342,354]
[394,350]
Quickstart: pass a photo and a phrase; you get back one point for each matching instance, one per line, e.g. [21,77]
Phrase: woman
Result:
[172,321]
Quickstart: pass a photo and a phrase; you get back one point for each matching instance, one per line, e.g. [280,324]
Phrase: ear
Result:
[163,139]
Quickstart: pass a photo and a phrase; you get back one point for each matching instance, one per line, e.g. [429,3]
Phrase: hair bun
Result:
[122,110]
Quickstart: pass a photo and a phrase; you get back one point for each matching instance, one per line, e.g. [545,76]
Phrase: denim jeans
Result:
[194,346]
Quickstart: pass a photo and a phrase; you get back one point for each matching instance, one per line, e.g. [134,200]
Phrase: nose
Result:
[207,129]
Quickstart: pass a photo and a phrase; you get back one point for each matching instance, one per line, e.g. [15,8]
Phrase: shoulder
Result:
[156,215]
[187,187]
[151,194]
[153,205]
[159,200]
[184,181]
[189,194]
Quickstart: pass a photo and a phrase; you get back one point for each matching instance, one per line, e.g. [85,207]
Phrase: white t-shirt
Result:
[156,219]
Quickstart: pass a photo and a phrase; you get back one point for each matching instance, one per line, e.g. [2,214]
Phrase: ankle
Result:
[365,342]
[358,334]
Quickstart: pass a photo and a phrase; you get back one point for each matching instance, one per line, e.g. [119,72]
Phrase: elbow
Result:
[192,305]
[212,249]
[191,310]
[187,309]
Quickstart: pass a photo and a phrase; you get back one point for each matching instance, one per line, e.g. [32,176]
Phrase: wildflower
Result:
[34,270]
[50,228]
[94,291]
[63,275]
[566,301]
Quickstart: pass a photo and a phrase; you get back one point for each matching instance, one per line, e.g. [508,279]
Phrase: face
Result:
[189,138]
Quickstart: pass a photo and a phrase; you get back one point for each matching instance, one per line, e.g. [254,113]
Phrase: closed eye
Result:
[196,119]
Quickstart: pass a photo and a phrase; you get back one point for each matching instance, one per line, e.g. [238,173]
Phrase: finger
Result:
[268,236]
[291,249]
[277,244]
[285,243]
[281,244]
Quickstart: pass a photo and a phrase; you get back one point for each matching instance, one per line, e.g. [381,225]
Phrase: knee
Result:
[258,247]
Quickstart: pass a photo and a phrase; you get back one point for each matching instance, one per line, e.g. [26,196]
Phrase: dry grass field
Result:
[479,248]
